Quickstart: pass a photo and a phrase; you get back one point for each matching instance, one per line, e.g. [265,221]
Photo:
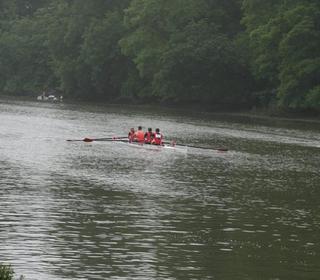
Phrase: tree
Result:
[185,51]
[284,40]
[24,66]
[83,41]
[100,54]
[299,70]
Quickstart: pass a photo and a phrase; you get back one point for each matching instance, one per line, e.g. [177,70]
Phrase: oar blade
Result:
[221,149]
[74,140]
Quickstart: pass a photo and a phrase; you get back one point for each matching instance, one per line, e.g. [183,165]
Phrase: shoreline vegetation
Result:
[255,114]
[7,273]
[246,55]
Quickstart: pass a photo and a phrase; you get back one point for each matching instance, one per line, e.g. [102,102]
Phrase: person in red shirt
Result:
[131,135]
[158,138]
[139,135]
[148,136]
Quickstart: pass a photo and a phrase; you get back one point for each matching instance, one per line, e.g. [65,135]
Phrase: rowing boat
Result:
[138,145]
[165,146]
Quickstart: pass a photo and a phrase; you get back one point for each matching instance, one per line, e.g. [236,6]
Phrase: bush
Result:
[7,273]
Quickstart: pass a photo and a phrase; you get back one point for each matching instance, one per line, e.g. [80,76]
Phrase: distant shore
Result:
[256,114]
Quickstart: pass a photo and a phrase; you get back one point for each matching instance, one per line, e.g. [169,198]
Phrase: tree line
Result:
[215,53]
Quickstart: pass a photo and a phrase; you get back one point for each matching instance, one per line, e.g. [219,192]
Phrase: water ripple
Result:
[74,210]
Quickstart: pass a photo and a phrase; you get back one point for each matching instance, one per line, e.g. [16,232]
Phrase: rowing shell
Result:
[166,146]
[153,147]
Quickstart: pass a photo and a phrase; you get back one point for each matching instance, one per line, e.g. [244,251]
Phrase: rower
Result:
[148,136]
[158,138]
[139,135]
[131,135]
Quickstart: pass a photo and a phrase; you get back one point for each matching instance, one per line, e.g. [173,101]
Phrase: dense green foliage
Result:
[6,272]
[284,40]
[236,53]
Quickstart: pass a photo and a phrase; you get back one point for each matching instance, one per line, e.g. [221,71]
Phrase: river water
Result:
[102,210]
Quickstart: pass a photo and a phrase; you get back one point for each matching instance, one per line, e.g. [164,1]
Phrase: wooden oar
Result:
[115,138]
[198,147]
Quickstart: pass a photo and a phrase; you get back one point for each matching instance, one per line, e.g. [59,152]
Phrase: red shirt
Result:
[139,136]
[148,137]
[157,139]
[131,136]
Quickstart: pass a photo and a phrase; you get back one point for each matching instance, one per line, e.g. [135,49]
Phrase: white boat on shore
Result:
[50,98]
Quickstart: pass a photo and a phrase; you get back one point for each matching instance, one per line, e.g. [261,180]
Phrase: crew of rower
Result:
[149,137]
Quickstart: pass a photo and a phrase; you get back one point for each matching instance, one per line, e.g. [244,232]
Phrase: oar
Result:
[115,138]
[199,147]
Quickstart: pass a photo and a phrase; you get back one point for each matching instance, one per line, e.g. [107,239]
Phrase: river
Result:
[102,210]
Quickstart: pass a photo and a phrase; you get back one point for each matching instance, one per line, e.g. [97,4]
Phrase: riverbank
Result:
[257,115]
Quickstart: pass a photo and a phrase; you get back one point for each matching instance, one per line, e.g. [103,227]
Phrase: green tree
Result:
[6,272]
[284,40]
[299,51]
[101,56]
[24,65]
[7,10]
[83,41]
[186,50]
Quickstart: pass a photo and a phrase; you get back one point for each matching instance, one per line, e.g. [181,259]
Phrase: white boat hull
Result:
[153,147]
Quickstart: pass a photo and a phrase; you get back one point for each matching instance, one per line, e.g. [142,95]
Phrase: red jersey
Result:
[148,137]
[158,137]
[139,136]
[131,136]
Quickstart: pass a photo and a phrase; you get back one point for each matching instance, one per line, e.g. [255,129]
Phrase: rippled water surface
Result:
[103,210]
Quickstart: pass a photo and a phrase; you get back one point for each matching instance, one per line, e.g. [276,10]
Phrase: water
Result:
[101,210]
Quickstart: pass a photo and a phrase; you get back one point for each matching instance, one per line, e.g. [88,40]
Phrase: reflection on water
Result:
[101,210]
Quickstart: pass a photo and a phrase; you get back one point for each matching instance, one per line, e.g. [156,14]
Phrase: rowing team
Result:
[149,137]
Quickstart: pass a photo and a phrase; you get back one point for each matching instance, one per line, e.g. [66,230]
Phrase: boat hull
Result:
[153,147]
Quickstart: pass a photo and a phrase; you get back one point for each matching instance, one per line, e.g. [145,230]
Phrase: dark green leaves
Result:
[236,53]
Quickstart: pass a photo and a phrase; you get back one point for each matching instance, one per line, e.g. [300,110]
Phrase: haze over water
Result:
[103,210]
